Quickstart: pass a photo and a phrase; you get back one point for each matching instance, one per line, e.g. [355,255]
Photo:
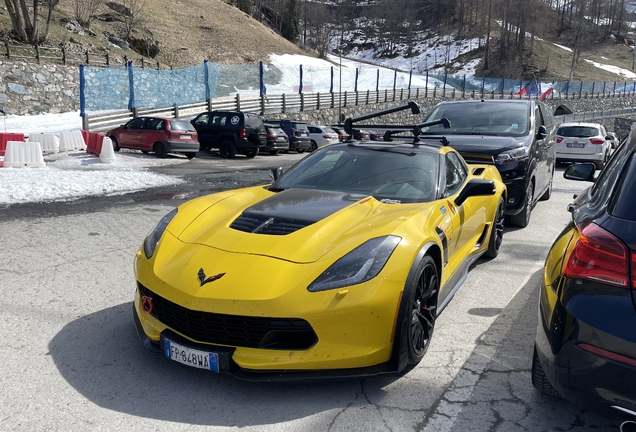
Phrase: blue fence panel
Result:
[165,88]
[105,88]
[241,79]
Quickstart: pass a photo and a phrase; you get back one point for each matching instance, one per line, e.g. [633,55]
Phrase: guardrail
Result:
[298,102]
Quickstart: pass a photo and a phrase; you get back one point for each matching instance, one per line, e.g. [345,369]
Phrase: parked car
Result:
[615,141]
[158,135]
[585,348]
[277,139]
[519,135]
[342,135]
[354,237]
[583,142]
[322,135]
[297,132]
[361,135]
[376,135]
[231,132]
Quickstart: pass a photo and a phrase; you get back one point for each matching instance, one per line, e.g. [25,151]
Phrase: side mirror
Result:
[542,132]
[609,138]
[580,172]
[476,187]
[275,173]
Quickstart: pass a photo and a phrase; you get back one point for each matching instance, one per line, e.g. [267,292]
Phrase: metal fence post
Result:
[262,104]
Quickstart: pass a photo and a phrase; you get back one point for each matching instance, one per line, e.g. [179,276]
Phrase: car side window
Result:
[202,120]
[153,124]
[539,119]
[456,174]
[219,119]
[314,130]
[137,123]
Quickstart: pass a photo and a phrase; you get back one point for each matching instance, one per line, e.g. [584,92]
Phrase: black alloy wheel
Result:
[160,150]
[227,150]
[250,153]
[496,234]
[522,219]
[422,310]
[314,146]
[115,144]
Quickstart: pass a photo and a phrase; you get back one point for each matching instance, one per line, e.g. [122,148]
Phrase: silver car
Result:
[583,142]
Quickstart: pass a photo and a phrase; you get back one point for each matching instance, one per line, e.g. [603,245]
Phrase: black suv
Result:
[296,130]
[519,135]
[231,132]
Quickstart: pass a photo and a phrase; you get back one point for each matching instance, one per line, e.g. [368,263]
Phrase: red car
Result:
[158,135]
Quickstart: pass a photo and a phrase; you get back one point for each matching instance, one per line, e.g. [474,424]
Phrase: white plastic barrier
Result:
[107,155]
[70,141]
[48,141]
[23,154]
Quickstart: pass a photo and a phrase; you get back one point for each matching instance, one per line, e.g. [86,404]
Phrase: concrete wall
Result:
[31,88]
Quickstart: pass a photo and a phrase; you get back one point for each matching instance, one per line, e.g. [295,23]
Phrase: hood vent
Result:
[263,224]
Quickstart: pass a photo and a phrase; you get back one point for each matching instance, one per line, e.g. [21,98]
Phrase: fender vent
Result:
[478,171]
[263,224]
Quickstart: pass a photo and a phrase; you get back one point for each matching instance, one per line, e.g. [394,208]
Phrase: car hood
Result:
[483,144]
[296,225]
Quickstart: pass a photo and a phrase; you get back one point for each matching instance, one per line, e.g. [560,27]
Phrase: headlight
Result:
[359,265]
[153,238]
[513,155]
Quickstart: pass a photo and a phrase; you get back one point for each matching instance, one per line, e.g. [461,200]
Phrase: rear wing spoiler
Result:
[393,129]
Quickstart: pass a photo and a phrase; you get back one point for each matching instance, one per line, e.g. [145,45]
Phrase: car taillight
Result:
[559,139]
[633,270]
[243,133]
[272,136]
[597,141]
[341,137]
[599,256]
[326,136]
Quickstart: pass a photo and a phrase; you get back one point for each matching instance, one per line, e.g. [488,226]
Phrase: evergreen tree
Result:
[291,28]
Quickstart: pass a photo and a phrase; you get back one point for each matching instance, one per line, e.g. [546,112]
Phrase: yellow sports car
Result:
[339,267]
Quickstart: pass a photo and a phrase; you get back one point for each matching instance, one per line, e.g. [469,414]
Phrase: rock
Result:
[75,41]
[74,27]
[119,42]
[119,8]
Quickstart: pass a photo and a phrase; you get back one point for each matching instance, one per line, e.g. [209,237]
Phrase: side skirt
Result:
[455,281]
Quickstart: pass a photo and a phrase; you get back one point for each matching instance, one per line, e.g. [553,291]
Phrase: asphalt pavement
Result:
[72,359]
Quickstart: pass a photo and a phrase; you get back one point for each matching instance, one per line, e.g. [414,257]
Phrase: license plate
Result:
[185,136]
[190,356]
[575,145]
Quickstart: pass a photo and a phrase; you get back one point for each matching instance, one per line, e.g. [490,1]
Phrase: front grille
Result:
[233,330]
[263,224]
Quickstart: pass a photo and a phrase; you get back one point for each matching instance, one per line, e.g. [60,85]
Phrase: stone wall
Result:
[31,88]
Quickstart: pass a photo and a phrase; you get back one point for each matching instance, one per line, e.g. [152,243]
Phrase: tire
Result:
[539,380]
[300,150]
[145,151]
[547,194]
[523,218]
[600,165]
[496,234]
[273,152]
[204,148]
[160,151]
[115,144]
[422,304]
[314,146]
[227,150]
[250,153]
[191,155]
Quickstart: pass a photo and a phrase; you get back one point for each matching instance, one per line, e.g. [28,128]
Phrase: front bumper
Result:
[516,195]
[588,319]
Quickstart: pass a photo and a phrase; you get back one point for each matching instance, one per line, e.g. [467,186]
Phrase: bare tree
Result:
[86,11]
[134,16]
[25,19]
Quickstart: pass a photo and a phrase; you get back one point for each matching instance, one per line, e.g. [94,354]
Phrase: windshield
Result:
[481,118]
[391,174]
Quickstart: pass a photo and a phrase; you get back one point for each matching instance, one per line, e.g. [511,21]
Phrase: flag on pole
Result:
[530,89]
[547,93]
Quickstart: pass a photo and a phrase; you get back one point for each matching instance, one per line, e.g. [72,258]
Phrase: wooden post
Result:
[386,95]
[333,101]
[209,102]
[262,104]
[85,122]
[158,66]
[37,52]
[238,102]
[176,111]
[63,55]
[87,59]
[6,44]
[357,98]
[107,59]
[135,112]
[318,100]
[143,63]
[302,101]
[284,103]
[345,101]
[367,97]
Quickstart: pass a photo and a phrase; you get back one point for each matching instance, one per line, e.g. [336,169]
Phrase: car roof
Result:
[571,124]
